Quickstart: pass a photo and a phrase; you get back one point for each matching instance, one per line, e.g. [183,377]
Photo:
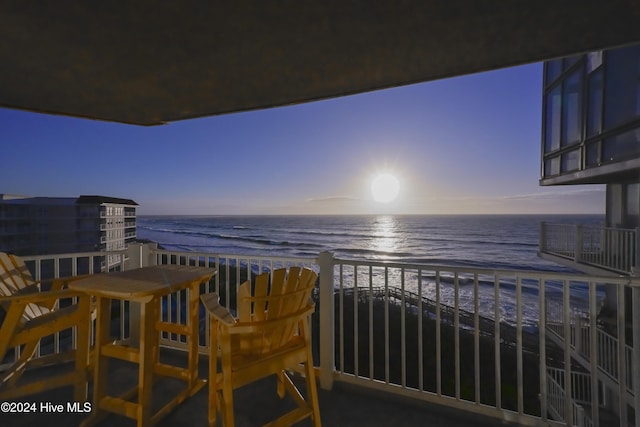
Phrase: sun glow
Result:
[385,188]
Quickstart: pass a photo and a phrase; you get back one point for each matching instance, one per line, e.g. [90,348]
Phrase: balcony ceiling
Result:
[148,62]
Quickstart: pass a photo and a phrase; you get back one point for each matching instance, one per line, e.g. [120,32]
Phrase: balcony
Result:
[399,344]
[600,250]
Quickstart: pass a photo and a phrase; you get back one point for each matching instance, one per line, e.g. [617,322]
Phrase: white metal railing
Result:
[581,393]
[406,345]
[468,338]
[44,267]
[607,345]
[605,247]
[232,271]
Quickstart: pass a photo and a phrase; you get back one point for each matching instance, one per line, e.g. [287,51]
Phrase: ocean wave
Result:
[467,241]
[508,243]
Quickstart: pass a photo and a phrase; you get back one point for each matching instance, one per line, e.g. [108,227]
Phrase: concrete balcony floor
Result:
[255,404]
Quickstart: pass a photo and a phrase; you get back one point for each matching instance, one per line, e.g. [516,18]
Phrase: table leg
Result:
[100,363]
[192,340]
[148,358]
[83,333]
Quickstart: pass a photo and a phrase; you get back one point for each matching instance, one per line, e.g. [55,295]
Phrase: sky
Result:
[464,145]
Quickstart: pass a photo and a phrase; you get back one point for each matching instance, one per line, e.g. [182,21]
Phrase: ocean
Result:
[487,241]
[505,242]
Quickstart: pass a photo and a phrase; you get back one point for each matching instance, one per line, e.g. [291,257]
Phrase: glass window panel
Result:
[571,108]
[552,120]
[570,161]
[569,61]
[594,107]
[554,69]
[591,156]
[552,166]
[594,60]
[622,86]
[621,147]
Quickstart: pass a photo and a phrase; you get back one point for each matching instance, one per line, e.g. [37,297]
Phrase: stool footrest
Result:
[116,351]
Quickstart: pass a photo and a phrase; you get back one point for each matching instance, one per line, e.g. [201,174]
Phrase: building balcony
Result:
[601,250]
[403,344]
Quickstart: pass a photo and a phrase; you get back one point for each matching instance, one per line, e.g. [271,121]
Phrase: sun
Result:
[385,188]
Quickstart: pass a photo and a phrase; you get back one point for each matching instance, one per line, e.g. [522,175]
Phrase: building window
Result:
[552,166]
[568,61]
[622,86]
[554,69]
[621,147]
[592,155]
[570,161]
[571,108]
[594,106]
[594,60]
[552,128]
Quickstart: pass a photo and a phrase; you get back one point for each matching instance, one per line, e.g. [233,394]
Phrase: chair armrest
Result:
[39,297]
[62,282]
[267,325]
[30,289]
[211,302]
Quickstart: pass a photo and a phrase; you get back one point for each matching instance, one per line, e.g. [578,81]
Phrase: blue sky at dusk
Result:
[457,146]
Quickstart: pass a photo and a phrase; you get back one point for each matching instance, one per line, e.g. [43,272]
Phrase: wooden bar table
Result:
[146,286]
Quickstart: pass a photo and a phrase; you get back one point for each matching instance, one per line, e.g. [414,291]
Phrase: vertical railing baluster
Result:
[476,337]
[519,355]
[566,303]
[635,354]
[386,325]
[496,341]
[342,317]
[403,333]
[227,271]
[38,269]
[456,331]
[371,334]
[542,342]
[621,365]
[438,338]
[356,339]
[420,332]
[593,355]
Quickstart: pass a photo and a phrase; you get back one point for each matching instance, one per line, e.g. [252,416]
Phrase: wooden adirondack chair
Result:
[32,313]
[270,335]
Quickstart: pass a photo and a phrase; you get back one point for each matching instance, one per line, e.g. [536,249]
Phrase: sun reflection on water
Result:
[385,235]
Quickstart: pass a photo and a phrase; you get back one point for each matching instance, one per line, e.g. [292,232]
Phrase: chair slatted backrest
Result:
[15,278]
[286,295]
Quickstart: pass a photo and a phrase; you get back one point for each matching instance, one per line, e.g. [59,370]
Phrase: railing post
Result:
[636,252]
[141,254]
[635,381]
[543,239]
[134,253]
[327,320]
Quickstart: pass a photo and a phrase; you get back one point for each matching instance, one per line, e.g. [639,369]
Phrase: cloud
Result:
[577,192]
[335,200]
[549,201]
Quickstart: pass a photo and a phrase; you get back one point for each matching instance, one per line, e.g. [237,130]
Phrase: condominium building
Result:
[48,225]
[591,127]
[591,135]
